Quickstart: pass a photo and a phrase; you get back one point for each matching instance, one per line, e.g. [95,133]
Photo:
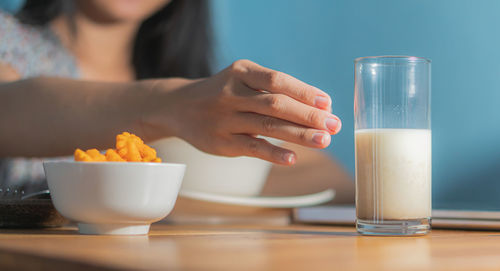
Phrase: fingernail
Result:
[332,124]
[289,158]
[321,139]
[322,102]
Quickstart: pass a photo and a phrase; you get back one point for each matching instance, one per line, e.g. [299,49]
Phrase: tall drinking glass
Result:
[393,145]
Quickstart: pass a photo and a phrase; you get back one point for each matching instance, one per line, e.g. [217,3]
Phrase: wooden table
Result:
[247,247]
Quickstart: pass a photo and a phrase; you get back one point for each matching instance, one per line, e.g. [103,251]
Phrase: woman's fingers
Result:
[252,123]
[261,78]
[257,147]
[285,108]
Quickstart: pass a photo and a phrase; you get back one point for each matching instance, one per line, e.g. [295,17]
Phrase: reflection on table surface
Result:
[250,247]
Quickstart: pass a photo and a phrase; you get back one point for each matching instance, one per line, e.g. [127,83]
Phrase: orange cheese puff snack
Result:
[157,160]
[96,155]
[129,148]
[137,139]
[131,152]
[148,154]
[121,140]
[122,143]
[82,156]
[113,156]
[127,143]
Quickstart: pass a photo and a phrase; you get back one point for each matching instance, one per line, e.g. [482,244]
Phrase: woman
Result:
[76,73]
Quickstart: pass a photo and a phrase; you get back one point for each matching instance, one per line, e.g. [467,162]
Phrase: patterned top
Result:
[32,51]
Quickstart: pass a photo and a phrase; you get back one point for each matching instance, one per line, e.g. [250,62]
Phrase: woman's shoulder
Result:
[32,50]
[11,30]
[17,44]
[6,18]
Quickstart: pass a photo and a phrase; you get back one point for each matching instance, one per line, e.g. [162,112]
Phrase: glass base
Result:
[407,227]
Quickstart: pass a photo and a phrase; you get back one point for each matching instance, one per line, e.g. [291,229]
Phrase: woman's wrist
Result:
[158,116]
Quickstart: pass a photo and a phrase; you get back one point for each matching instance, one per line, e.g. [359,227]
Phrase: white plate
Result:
[272,202]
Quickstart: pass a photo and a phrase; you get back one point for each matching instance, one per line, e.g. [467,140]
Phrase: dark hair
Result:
[173,42]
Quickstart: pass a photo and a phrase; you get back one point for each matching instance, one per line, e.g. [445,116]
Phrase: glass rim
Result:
[393,57]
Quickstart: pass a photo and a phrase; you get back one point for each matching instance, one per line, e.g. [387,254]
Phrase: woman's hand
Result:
[224,113]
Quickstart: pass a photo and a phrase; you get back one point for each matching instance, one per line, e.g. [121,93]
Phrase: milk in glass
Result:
[393,172]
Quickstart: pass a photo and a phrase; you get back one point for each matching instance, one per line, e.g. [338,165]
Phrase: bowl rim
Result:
[115,163]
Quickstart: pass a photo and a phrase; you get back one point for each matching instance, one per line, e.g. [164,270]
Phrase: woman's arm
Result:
[219,115]
[53,116]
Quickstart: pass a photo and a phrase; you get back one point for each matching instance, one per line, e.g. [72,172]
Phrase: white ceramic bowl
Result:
[114,197]
[241,176]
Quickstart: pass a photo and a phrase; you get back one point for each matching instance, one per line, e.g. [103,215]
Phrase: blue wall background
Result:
[317,41]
